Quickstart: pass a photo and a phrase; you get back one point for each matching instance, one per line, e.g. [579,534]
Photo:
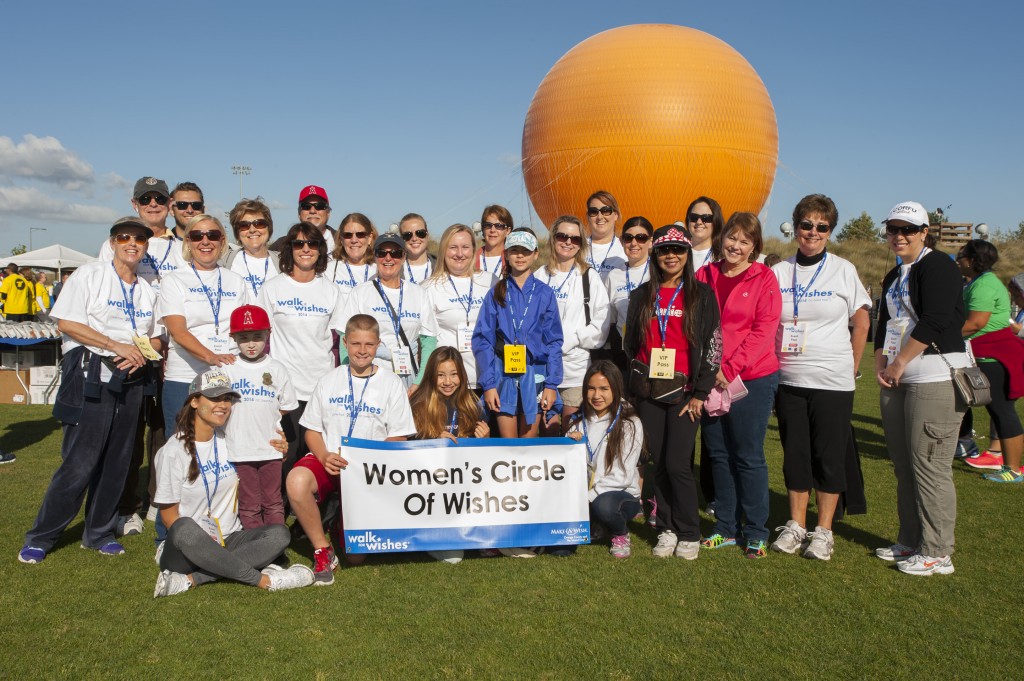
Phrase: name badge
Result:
[218,344]
[894,331]
[146,348]
[793,336]
[515,359]
[401,361]
[663,363]
[464,338]
[211,526]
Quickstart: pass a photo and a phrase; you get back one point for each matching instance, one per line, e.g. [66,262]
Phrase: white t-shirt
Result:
[255,271]
[579,338]
[624,476]
[380,405]
[302,316]
[620,284]
[266,391]
[836,293]
[348,276]
[491,264]
[163,256]
[214,489]
[415,313]
[183,294]
[450,310]
[94,296]
[417,274]
[700,257]
[606,257]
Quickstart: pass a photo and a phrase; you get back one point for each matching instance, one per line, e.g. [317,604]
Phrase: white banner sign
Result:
[481,493]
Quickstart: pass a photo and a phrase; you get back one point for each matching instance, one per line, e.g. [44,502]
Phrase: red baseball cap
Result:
[313,190]
[249,318]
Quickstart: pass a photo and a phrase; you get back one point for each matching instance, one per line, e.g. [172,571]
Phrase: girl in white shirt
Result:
[605,251]
[636,241]
[351,263]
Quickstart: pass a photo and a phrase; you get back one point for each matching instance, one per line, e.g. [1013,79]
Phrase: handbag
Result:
[971,384]
[664,390]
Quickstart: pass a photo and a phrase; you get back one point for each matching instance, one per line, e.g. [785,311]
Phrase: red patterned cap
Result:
[671,235]
[249,318]
[311,191]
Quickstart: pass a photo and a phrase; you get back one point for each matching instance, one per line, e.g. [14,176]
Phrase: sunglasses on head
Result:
[313,205]
[603,210]
[563,237]
[149,198]
[125,238]
[382,253]
[299,244]
[420,234]
[672,249]
[212,234]
[706,218]
[640,238]
[258,224]
[493,225]
[185,205]
[354,235]
[808,226]
[908,230]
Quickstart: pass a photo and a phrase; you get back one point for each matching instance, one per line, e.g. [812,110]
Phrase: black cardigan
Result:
[936,295]
[705,353]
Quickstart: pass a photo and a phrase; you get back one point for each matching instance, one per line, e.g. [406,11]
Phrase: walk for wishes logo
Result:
[301,307]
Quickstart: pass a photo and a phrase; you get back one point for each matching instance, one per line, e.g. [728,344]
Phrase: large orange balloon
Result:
[657,115]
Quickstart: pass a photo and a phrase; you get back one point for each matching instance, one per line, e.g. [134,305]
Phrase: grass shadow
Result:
[24,434]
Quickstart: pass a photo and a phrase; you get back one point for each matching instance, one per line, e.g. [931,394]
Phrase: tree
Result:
[19,249]
[1019,234]
[861,228]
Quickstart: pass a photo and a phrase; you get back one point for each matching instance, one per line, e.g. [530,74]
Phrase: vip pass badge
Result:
[515,354]
[663,360]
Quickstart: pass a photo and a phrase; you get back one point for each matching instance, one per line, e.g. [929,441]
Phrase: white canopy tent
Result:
[54,257]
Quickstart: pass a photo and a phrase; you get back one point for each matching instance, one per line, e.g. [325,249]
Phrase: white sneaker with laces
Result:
[821,543]
[895,552]
[295,577]
[688,550]
[133,525]
[171,584]
[666,544]
[926,565]
[791,537]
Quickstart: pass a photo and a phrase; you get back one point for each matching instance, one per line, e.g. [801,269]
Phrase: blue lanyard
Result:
[216,479]
[209,297]
[355,409]
[129,300]
[497,265]
[629,285]
[1020,316]
[266,271]
[902,287]
[395,318]
[592,451]
[469,300]
[590,256]
[152,260]
[564,281]
[797,295]
[663,318]
[517,328]
[351,277]
[408,267]
[454,422]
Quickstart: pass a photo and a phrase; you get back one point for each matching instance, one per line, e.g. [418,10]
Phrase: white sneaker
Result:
[519,552]
[895,552]
[688,550]
[132,525]
[159,552]
[171,584]
[791,537]
[666,544]
[820,546]
[453,557]
[295,577]
[151,513]
[926,565]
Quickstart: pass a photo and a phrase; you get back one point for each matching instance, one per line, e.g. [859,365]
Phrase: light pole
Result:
[33,229]
[241,171]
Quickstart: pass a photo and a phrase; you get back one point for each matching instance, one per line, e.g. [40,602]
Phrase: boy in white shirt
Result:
[358,400]
[266,394]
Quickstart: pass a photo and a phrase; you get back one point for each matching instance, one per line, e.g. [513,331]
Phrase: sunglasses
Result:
[706,218]
[382,253]
[313,205]
[494,225]
[563,237]
[603,210]
[672,249]
[641,238]
[420,234]
[808,226]
[149,198]
[213,235]
[185,205]
[893,230]
[354,235]
[125,238]
[314,244]
[247,224]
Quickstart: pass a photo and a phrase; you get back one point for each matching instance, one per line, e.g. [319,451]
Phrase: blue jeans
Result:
[614,510]
[174,395]
[736,446]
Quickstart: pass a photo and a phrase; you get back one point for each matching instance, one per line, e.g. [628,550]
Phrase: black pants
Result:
[814,426]
[1002,410]
[670,439]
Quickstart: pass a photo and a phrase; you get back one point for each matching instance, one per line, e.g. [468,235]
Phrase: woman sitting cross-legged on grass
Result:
[196,491]
[614,438]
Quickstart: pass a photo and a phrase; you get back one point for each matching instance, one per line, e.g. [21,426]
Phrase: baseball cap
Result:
[671,235]
[249,318]
[130,221]
[212,383]
[313,190]
[145,185]
[521,239]
[909,211]
[389,238]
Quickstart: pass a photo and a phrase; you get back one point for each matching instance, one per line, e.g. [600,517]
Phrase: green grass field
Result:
[80,615]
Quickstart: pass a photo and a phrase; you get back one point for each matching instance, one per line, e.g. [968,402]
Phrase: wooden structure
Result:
[952,235]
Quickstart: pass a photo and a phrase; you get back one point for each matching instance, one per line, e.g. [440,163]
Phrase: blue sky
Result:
[399,107]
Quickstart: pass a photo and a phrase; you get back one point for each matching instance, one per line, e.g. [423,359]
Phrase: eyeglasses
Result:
[313,205]
[354,235]
[420,234]
[493,225]
[671,249]
[563,237]
[603,210]
[808,226]
[243,225]
[214,235]
[382,253]
[184,205]
[908,230]
[149,198]
[706,218]
[125,238]
[641,238]
[299,244]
